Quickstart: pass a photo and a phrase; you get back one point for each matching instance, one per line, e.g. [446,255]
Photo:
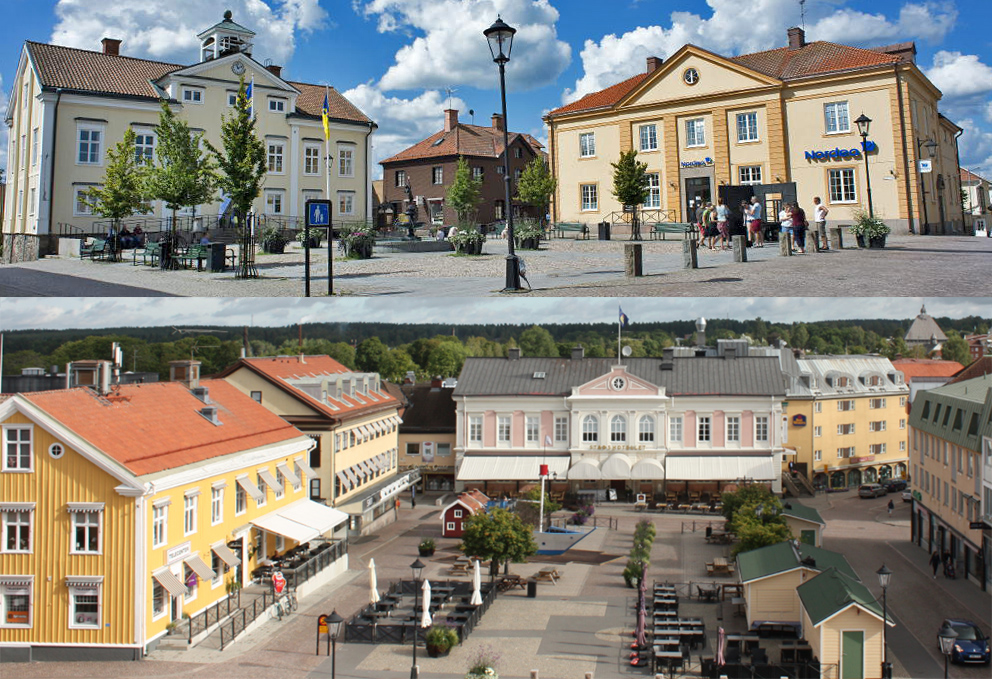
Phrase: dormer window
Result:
[192,95]
[540,376]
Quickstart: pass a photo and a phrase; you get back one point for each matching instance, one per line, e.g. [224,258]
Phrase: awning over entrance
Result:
[226,554]
[280,525]
[720,467]
[648,469]
[168,579]
[617,466]
[198,566]
[510,467]
[586,469]
[321,518]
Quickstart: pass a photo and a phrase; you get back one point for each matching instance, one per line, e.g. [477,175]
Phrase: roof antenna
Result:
[449,90]
[471,112]
[802,14]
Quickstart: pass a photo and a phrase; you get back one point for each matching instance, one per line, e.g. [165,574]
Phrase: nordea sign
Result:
[867,147]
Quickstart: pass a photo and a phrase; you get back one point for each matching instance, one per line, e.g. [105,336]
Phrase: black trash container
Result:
[216,262]
[604,231]
[709,531]
[165,254]
[532,589]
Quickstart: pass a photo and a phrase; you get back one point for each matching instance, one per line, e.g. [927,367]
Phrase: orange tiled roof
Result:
[474,500]
[155,427]
[925,367]
[977,368]
[608,97]
[969,176]
[71,68]
[463,140]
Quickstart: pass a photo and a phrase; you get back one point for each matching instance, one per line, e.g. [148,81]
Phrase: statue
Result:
[411,212]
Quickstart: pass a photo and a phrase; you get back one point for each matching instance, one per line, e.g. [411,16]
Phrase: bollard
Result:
[838,237]
[740,248]
[533,674]
[690,259]
[633,259]
[785,245]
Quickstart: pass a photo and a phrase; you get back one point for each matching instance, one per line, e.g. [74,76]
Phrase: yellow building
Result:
[847,420]
[128,507]
[68,106]
[779,124]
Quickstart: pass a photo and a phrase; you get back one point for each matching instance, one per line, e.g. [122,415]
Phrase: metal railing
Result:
[243,617]
[649,216]
[310,568]
[212,615]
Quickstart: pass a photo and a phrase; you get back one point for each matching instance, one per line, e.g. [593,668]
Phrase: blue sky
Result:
[395,58]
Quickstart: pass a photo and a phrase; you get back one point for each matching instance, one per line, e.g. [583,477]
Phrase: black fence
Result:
[244,617]
[308,569]
[213,614]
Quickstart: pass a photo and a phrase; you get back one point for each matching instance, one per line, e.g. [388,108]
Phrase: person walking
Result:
[700,208]
[935,562]
[799,226]
[722,217]
[891,507]
[820,212]
[704,225]
[754,223]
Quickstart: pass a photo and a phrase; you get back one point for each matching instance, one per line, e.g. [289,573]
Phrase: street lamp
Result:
[884,577]
[334,627]
[931,146]
[864,122]
[947,637]
[418,569]
[500,37]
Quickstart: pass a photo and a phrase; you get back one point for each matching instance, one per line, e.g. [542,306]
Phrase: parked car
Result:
[907,495]
[893,485]
[971,646]
[870,490]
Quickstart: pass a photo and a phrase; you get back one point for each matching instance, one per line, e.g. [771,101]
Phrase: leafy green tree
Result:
[956,349]
[342,352]
[536,341]
[536,186]
[498,535]
[243,162]
[124,191]
[445,360]
[396,365]
[800,336]
[465,193]
[754,532]
[530,510]
[371,355]
[748,494]
[630,183]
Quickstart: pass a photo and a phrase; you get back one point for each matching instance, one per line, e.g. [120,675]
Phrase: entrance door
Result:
[852,655]
[697,192]
[175,609]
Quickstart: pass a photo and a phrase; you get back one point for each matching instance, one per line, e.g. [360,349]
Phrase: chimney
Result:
[410,378]
[436,382]
[668,358]
[729,353]
[701,332]
[186,372]
[797,38]
[274,70]
[578,353]
[210,412]
[111,46]
[450,119]
[654,63]
[202,393]
[513,354]
[498,122]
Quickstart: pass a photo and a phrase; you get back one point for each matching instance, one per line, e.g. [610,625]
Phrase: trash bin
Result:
[604,231]
[215,262]
[165,254]
[709,531]
[532,589]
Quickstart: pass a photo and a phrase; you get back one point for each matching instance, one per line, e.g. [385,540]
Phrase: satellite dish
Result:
[626,351]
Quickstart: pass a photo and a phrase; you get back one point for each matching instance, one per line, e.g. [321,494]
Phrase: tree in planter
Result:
[439,639]
[124,191]
[498,535]
[630,185]
[536,187]
[242,163]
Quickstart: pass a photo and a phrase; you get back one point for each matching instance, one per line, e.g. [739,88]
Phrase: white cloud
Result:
[924,21]
[988,111]
[166,29]
[448,47]
[975,147]
[960,75]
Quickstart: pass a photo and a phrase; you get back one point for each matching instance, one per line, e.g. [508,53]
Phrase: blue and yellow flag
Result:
[324,112]
[624,321]
[250,96]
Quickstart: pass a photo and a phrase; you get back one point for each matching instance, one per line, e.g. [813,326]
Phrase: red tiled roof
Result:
[969,176]
[925,367]
[474,500]
[982,366]
[157,426]
[815,58]
[311,101]
[463,140]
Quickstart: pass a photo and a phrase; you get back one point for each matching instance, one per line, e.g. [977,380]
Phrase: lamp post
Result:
[864,122]
[930,145]
[884,577]
[500,37]
[947,637]
[418,569]
[334,627]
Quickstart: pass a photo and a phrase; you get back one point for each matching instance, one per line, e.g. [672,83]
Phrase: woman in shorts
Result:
[785,222]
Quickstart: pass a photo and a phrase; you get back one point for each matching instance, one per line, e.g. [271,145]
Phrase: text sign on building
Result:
[318,213]
[798,420]
[926,166]
[705,162]
[833,154]
[178,553]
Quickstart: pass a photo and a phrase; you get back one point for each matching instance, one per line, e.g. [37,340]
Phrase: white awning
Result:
[203,571]
[270,480]
[374,463]
[305,467]
[288,474]
[510,467]
[345,481]
[720,467]
[586,469]
[74,507]
[321,518]
[280,525]
[617,466]
[226,554]
[648,469]
[168,579]
[378,427]
[250,488]
[16,506]
[395,420]
[351,476]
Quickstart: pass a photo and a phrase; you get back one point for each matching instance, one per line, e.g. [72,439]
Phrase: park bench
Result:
[150,254]
[194,253]
[571,227]
[664,228]
[98,248]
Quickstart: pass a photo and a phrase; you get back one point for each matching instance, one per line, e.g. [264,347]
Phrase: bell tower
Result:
[224,38]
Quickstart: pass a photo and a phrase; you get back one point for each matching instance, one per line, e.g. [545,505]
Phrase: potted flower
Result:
[468,240]
[359,241]
[484,664]
[870,230]
[272,241]
[527,234]
[426,547]
[439,639]
[311,234]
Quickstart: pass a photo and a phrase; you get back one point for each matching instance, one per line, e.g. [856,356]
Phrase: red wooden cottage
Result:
[453,516]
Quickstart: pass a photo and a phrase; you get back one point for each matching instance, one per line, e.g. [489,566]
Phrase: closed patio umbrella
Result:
[476,585]
[425,618]
[642,614]
[721,642]
[373,584]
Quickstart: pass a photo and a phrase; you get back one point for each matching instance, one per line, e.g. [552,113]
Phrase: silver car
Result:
[871,490]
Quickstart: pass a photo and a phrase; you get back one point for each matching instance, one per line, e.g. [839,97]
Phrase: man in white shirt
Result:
[820,222]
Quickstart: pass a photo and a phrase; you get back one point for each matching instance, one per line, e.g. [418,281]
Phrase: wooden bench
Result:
[150,254]
[508,582]
[571,227]
[665,228]
[194,253]
[98,248]
[548,575]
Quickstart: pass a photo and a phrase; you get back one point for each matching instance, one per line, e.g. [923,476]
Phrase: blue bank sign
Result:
[831,154]
[705,162]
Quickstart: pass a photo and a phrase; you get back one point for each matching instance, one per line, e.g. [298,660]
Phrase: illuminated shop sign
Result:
[867,146]
[705,162]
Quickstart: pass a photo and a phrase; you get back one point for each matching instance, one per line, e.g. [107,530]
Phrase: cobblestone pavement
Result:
[908,266]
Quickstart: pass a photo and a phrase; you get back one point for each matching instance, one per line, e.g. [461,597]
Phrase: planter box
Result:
[528,243]
[876,243]
[474,248]
[361,250]
[274,247]
[861,240]
[426,552]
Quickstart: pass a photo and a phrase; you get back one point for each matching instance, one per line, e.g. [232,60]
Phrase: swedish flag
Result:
[624,320]
[324,112]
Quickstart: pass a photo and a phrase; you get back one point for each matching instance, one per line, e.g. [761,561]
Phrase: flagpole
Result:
[327,148]
[619,327]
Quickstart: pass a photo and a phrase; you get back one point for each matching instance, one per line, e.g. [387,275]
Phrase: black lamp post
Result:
[418,569]
[884,577]
[947,637]
[930,145]
[864,122]
[500,37]
[334,627]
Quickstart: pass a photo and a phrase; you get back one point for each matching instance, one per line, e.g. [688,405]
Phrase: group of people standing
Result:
[947,560]
[718,221]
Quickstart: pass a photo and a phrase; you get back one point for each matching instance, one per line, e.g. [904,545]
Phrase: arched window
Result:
[645,429]
[618,429]
[590,428]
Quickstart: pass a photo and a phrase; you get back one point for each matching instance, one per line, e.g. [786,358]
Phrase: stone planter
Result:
[361,250]
[861,240]
[529,243]
[274,247]
[471,248]
[437,651]
[876,242]
[426,552]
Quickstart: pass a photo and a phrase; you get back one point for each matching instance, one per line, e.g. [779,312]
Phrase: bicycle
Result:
[291,600]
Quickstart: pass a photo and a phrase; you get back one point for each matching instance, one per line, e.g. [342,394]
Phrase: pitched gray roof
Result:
[750,376]
[960,413]
[923,328]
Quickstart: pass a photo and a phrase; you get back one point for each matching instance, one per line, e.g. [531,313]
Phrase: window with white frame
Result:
[346,160]
[902,401]
[817,431]
[477,173]
[81,204]
[311,160]
[277,105]
[192,581]
[144,147]
[503,428]
[263,489]
[190,503]
[835,118]
[590,196]
[273,202]
[24,150]
[845,405]
[645,429]
[842,186]
[561,429]
[878,425]
[437,175]
[16,526]
[216,506]
[400,178]
[276,150]
[15,597]
[280,488]
[443,449]
[902,446]
[518,152]
[761,429]
[747,127]
[89,144]
[749,174]
[618,429]
[902,424]
[733,429]
[346,202]
[32,200]
[844,429]
[84,601]
[590,429]
[219,568]
[458,513]
[17,448]
[652,182]
[86,532]
[160,525]
[158,599]
[35,141]
[703,432]
[240,500]
[533,428]
[587,144]
[517,174]
[232,99]
[475,428]
[675,428]
[876,449]
[450,525]
[817,455]
[876,403]
[695,132]
[818,407]
[280,543]
[649,137]
[192,95]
